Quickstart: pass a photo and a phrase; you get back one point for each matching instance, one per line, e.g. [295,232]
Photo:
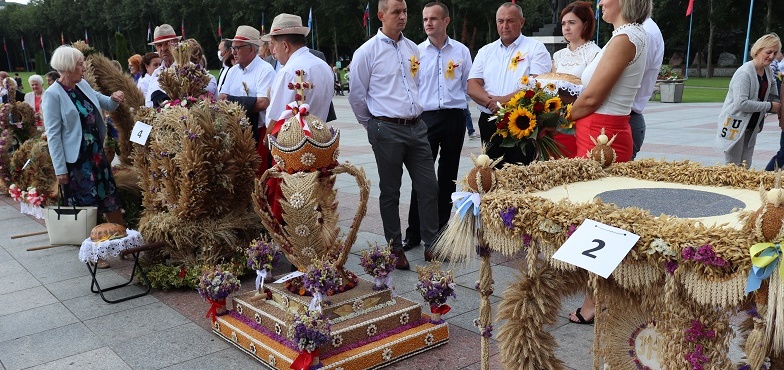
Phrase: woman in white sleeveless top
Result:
[609,93]
[577,25]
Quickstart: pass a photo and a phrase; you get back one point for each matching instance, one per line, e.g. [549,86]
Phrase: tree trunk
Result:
[335,41]
[769,16]
[711,32]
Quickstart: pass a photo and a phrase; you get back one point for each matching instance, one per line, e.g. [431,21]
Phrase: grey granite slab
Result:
[18,281]
[502,276]
[9,266]
[229,358]
[92,306]
[121,326]
[98,359]
[80,286]
[47,346]
[34,320]
[26,299]
[169,347]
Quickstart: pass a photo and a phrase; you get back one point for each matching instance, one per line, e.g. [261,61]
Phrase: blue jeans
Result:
[778,159]
[469,122]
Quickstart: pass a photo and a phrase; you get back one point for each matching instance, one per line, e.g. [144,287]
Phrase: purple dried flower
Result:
[570,230]
[436,286]
[526,240]
[217,284]
[671,266]
[378,262]
[311,330]
[508,215]
[262,255]
[322,277]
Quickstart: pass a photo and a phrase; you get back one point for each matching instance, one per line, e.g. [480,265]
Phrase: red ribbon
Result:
[213,312]
[442,309]
[303,361]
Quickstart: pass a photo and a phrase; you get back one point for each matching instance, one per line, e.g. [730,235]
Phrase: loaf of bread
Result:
[107,231]
[552,76]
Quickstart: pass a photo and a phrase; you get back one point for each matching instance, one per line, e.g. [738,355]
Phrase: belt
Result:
[399,121]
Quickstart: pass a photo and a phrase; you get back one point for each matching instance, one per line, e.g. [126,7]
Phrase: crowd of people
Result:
[412,99]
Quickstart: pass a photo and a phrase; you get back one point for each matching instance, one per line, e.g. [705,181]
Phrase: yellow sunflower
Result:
[515,99]
[552,104]
[568,115]
[521,123]
[524,80]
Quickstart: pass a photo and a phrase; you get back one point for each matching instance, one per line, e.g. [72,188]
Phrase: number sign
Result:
[597,247]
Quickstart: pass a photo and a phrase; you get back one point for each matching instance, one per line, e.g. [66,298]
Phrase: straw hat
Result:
[286,24]
[163,33]
[247,34]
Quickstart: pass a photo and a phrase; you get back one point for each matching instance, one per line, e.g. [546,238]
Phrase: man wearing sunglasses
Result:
[163,39]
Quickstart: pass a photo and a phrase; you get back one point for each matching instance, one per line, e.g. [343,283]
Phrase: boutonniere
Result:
[450,69]
[414,65]
[516,59]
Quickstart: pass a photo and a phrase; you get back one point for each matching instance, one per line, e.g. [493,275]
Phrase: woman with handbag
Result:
[752,93]
[75,132]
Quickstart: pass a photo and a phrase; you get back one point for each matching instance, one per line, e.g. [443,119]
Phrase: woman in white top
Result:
[609,93]
[577,25]
[33,98]
[150,62]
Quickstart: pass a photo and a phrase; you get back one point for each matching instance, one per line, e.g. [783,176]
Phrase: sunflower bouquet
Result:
[532,116]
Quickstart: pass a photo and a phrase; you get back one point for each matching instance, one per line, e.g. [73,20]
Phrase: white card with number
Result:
[597,247]
[140,133]
[288,277]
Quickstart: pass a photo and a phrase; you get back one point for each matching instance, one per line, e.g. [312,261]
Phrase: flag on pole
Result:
[22,38]
[149,32]
[5,48]
[262,24]
[86,40]
[690,8]
[366,16]
[182,28]
[62,39]
[310,19]
[220,34]
[41,37]
[597,10]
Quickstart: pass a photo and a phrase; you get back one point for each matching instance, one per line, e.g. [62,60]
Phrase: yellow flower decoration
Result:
[525,80]
[521,123]
[450,70]
[552,104]
[519,57]
[414,65]
[569,114]
[515,100]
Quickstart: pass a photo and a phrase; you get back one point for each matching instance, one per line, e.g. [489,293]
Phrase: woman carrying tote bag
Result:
[75,132]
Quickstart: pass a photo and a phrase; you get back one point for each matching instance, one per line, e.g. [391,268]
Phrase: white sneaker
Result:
[473,136]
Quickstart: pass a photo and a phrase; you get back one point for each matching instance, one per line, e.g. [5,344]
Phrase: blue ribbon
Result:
[464,202]
[764,259]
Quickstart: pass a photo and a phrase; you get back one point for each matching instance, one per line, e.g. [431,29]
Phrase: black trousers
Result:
[445,132]
[494,149]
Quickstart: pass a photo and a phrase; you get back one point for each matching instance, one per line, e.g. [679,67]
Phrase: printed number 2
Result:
[600,245]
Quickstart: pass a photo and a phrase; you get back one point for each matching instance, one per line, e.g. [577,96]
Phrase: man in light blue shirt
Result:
[443,77]
[384,95]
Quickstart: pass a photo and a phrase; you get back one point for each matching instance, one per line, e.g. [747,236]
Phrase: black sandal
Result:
[580,318]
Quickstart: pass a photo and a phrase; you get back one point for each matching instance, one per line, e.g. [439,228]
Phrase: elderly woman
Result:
[609,93]
[33,98]
[75,132]
[51,77]
[751,94]
[577,25]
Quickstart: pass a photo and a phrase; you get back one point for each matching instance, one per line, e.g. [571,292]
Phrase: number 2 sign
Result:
[597,247]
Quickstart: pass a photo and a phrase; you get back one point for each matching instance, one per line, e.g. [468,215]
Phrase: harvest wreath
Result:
[684,273]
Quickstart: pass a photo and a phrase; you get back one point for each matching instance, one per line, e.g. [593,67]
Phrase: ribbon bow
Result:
[260,276]
[764,257]
[519,57]
[450,70]
[315,303]
[293,109]
[465,201]
[303,361]
[213,312]
[442,309]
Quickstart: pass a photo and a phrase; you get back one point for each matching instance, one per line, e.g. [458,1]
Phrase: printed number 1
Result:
[600,245]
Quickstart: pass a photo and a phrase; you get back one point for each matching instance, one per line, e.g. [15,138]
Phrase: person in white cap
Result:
[384,95]
[249,80]
[288,43]
[163,38]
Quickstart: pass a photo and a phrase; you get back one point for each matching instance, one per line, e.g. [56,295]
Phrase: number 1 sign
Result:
[597,247]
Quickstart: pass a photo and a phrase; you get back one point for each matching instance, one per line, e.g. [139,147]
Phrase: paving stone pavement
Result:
[51,320]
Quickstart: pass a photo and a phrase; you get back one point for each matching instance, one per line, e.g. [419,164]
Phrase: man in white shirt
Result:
[224,55]
[164,38]
[654,53]
[288,43]
[442,77]
[494,79]
[248,81]
[384,96]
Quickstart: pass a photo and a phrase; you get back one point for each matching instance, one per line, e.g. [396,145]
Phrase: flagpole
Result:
[748,31]
[24,52]
[688,46]
[8,58]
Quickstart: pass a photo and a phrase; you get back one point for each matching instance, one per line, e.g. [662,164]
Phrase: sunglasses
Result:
[237,48]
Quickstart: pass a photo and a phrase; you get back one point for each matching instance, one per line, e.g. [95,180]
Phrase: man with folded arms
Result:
[384,95]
